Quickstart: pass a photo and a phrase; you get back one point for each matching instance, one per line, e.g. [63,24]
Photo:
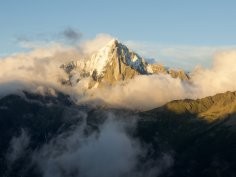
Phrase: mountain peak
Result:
[114,51]
[113,42]
[115,62]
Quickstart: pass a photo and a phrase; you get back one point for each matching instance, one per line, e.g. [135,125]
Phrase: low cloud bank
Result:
[40,69]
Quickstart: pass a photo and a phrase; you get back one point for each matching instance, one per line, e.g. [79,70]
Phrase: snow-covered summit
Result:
[112,52]
[112,63]
[100,59]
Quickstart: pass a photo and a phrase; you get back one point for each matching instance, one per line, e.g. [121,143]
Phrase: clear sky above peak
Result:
[185,22]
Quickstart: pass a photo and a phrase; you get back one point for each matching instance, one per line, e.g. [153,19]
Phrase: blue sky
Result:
[204,23]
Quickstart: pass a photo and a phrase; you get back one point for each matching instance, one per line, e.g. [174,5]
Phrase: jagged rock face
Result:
[118,71]
[123,64]
[178,74]
[158,68]
[114,62]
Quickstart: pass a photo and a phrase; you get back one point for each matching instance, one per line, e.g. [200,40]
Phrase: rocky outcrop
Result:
[160,69]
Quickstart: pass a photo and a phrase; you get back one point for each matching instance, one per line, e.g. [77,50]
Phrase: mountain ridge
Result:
[211,108]
[197,147]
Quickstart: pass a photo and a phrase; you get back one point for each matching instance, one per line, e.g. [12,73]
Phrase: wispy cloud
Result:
[71,34]
[68,36]
[17,146]
[111,151]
